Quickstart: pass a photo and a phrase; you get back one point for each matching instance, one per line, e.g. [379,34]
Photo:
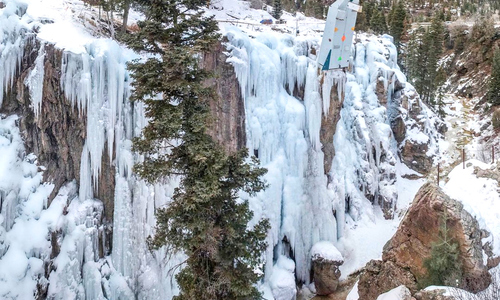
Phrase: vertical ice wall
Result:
[283,129]
[95,79]
[284,133]
[366,152]
[13,38]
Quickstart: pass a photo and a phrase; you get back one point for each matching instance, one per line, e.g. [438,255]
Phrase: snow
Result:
[23,214]
[282,280]
[399,293]
[479,196]
[327,251]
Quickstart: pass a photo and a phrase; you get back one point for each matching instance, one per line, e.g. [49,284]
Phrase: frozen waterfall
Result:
[287,100]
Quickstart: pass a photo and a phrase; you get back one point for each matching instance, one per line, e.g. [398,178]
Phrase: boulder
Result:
[399,129]
[404,255]
[326,260]
[420,228]
[414,155]
[382,276]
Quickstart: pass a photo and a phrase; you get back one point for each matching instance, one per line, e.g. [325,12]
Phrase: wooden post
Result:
[463,157]
[492,154]
[438,174]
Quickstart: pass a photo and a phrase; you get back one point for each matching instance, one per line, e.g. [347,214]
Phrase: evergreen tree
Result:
[204,219]
[423,54]
[125,6]
[440,104]
[416,58]
[443,266]
[433,78]
[378,23]
[397,22]
[277,10]
[494,88]
[364,17]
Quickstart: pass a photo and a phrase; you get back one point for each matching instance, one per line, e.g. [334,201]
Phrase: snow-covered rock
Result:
[282,281]
[326,260]
[325,250]
[399,293]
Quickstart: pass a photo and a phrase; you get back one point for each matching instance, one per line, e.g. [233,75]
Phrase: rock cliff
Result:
[404,255]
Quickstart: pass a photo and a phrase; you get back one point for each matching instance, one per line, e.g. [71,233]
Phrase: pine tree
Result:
[204,219]
[397,22]
[125,6]
[433,78]
[277,10]
[363,20]
[416,58]
[494,88]
[440,104]
[443,266]
[378,23]
[423,54]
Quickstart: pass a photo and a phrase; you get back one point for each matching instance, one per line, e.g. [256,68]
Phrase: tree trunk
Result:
[126,8]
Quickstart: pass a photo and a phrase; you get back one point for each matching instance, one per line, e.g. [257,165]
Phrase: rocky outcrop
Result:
[414,155]
[410,131]
[382,276]
[228,111]
[58,134]
[329,126]
[411,245]
[438,294]
[326,275]
[326,260]
[404,255]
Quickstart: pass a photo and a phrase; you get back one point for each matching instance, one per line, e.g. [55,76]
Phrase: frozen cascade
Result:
[302,204]
[95,79]
[98,83]
[286,99]
[13,38]
[284,131]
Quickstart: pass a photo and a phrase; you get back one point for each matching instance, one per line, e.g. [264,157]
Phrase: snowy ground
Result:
[364,240]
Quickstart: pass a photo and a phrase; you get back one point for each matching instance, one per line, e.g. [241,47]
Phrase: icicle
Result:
[12,42]
[34,81]
[312,103]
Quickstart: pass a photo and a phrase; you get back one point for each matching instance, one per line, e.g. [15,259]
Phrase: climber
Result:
[335,50]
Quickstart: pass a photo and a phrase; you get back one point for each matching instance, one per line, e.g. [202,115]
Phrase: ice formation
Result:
[304,203]
[97,82]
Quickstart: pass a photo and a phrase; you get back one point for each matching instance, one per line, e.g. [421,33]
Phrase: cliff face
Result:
[404,256]
[327,138]
[228,112]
